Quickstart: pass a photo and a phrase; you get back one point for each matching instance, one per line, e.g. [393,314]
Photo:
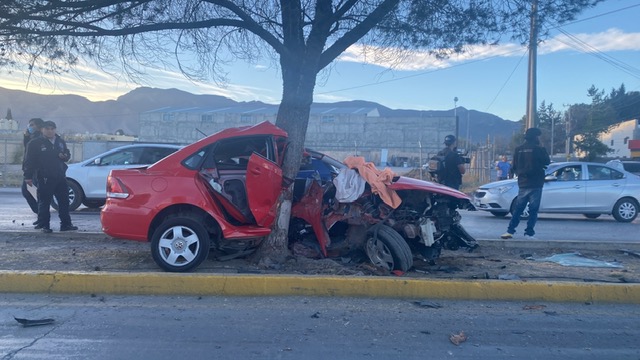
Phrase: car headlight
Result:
[500,189]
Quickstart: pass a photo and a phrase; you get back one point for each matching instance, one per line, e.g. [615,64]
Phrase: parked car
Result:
[631,166]
[585,188]
[220,194]
[87,179]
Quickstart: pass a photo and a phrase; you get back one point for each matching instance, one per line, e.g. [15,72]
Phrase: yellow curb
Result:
[279,285]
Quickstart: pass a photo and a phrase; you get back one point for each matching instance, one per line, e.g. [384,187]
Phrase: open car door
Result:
[264,184]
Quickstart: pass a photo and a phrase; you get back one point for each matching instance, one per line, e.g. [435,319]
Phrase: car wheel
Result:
[76,195]
[93,204]
[498,214]
[525,213]
[180,244]
[591,216]
[625,210]
[388,249]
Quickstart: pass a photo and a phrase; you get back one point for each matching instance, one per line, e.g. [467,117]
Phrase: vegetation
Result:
[302,37]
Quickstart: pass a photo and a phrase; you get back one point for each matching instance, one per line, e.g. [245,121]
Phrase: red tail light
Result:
[116,189]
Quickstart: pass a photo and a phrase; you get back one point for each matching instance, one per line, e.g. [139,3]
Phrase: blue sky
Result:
[602,48]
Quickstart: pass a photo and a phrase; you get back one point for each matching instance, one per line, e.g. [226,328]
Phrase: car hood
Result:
[498,184]
[407,183]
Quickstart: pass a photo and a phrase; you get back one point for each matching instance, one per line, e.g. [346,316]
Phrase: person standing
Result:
[503,168]
[453,164]
[45,160]
[529,162]
[33,131]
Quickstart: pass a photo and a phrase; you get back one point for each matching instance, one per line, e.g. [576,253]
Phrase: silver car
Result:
[87,179]
[585,188]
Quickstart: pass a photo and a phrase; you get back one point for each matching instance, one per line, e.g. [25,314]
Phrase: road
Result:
[190,327]
[16,216]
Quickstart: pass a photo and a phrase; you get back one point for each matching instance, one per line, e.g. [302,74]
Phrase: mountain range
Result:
[77,114]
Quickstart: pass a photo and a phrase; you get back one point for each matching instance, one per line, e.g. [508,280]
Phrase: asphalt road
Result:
[15,215]
[209,327]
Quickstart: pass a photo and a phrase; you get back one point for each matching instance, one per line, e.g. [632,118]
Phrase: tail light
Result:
[116,189]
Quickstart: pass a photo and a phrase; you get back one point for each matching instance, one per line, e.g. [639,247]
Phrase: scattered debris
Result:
[34,322]
[316,315]
[534,307]
[458,339]
[427,304]
[576,259]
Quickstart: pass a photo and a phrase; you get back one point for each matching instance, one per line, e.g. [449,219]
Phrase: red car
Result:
[220,194]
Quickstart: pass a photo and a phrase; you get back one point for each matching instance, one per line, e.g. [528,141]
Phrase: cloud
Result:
[610,40]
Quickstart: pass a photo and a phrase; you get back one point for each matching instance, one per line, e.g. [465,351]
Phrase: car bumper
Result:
[485,200]
[117,222]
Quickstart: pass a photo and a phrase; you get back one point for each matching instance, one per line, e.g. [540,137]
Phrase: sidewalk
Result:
[89,262]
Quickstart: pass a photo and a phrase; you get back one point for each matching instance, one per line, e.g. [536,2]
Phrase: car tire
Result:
[525,213]
[76,196]
[625,210]
[93,204]
[387,249]
[591,216]
[180,243]
[498,214]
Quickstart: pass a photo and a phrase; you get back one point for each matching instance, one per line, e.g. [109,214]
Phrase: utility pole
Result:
[455,114]
[531,79]
[467,138]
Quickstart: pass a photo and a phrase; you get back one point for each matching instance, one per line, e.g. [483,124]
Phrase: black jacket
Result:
[529,162]
[42,158]
[451,175]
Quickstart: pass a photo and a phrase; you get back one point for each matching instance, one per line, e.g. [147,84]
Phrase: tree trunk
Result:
[299,80]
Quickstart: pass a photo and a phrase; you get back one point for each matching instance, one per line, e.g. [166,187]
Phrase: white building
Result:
[620,137]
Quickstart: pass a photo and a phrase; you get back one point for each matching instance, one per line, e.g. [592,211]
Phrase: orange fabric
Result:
[378,180]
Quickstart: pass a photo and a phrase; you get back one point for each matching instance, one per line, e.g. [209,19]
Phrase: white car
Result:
[87,179]
[585,188]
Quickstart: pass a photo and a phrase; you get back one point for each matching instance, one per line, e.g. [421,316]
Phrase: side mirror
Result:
[550,178]
[97,161]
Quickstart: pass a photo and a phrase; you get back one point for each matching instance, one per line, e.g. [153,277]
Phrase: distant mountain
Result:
[76,114]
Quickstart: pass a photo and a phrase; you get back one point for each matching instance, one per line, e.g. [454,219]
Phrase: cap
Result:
[449,139]
[49,124]
[532,133]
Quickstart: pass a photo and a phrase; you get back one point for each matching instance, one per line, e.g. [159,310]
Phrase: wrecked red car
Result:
[219,194]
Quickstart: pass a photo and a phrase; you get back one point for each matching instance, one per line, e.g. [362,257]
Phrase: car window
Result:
[152,155]
[603,173]
[193,161]
[235,153]
[569,173]
[123,157]
[632,167]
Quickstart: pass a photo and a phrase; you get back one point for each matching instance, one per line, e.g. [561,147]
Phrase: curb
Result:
[284,285]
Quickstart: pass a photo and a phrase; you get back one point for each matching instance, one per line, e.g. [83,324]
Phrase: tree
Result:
[303,37]
[549,118]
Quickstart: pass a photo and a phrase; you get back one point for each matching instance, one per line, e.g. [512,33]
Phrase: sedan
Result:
[585,188]
[87,180]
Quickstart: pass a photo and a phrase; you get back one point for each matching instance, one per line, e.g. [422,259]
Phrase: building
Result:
[338,131]
[624,139]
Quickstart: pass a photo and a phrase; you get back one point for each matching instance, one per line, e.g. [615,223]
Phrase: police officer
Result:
[33,131]
[45,160]
[453,164]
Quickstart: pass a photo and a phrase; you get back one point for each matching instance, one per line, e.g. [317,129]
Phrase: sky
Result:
[601,48]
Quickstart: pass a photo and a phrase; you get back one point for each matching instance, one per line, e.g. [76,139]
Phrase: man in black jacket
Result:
[529,162]
[46,159]
[453,164]
[32,132]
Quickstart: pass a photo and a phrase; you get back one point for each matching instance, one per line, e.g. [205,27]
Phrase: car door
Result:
[604,187]
[264,184]
[567,192]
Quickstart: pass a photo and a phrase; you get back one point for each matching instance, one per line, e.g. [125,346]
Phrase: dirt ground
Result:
[492,260]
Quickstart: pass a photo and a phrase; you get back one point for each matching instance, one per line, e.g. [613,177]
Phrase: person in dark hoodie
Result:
[33,131]
[529,162]
[46,159]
